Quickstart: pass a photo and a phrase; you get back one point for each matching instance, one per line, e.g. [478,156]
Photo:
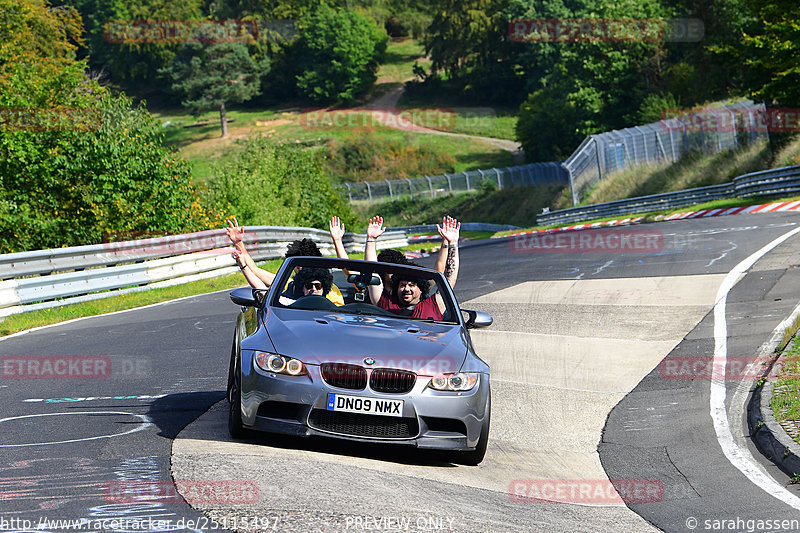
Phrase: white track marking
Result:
[145,422]
[739,457]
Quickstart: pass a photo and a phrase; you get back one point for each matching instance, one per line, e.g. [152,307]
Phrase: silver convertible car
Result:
[314,357]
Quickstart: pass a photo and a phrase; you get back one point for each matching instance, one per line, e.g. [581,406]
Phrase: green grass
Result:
[785,401]
[203,147]
[200,143]
[399,61]
[514,205]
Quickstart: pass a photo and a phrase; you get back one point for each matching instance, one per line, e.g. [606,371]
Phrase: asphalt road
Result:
[575,341]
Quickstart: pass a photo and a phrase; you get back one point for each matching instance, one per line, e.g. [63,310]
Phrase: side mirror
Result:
[245,297]
[477,319]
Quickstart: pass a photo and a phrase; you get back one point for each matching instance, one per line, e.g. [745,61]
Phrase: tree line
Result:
[104,172]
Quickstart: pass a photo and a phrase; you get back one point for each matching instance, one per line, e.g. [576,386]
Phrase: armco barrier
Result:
[48,278]
[768,183]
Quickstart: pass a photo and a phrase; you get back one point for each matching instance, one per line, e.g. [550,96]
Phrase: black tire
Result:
[474,457]
[235,426]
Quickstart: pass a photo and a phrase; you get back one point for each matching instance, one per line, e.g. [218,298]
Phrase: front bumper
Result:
[297,405]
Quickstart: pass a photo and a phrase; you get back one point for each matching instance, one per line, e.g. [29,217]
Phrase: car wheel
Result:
[474,457]
[235,426]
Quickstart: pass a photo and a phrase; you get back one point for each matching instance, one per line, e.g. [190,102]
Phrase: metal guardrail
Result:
[778,182]
[48,278]
[465,226]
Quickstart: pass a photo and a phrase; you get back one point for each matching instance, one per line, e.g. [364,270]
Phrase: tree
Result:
[209,77]
[773,47]
[123,39]
[77,163]
[337,54]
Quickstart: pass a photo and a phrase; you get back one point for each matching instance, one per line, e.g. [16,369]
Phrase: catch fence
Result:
[432,186]
[708,130]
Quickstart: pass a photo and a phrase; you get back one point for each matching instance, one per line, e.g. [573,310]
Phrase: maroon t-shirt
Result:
[427,308]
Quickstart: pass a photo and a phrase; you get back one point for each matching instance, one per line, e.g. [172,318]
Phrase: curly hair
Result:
[390,255]
[323,275]
[303,247]
[424,286]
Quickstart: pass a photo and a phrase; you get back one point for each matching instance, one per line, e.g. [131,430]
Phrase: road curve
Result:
[577,335]
[563,353]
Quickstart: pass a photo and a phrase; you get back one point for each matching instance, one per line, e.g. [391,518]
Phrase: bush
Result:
[276,185]
[108,176]
[367,157]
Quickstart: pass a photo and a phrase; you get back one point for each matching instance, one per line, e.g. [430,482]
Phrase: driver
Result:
[408,295]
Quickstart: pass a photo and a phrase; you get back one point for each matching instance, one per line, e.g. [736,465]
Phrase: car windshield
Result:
[364,288]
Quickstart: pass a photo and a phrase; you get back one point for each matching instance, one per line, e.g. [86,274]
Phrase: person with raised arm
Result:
[408,295]
[259,278]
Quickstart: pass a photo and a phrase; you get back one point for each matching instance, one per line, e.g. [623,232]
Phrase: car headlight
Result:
[272,362]
[460,381]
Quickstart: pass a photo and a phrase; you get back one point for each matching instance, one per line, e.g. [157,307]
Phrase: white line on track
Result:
[739,457]
[144,422]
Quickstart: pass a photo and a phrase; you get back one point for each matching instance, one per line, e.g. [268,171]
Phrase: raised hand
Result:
[238,253]
[336,228]
[449,230]
[375,228]
[234,231]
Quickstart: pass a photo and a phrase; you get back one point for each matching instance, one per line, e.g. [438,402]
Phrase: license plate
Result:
[367,406]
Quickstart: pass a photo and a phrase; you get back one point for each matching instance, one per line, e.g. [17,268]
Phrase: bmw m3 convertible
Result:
[401,370]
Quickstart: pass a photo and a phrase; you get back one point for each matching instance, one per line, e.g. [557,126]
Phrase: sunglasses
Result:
[313,285]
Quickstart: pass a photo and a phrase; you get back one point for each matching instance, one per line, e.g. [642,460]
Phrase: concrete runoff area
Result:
[555,378]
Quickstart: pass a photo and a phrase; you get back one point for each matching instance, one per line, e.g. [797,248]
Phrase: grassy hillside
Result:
[198,137]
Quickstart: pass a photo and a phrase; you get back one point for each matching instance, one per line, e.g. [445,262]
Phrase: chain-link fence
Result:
[433,186]
[707,130]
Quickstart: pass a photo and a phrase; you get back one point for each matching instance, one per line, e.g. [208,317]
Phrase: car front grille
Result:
[344,376]
[360,425]
[391,380]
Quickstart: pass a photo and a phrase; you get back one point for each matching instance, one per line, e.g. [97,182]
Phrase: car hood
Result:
[320,337]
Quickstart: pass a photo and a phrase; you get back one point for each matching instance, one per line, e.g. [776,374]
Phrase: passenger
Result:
[408,294]
[258,278]
[310,282]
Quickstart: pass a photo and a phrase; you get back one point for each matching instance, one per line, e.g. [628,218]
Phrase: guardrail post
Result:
[430,184]
[349,192]
[410,189]
[449,183]
[499,183]
[466,176]
[481,173]
[391,194]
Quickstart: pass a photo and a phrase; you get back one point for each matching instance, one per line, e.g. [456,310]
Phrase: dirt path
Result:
[390,119]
